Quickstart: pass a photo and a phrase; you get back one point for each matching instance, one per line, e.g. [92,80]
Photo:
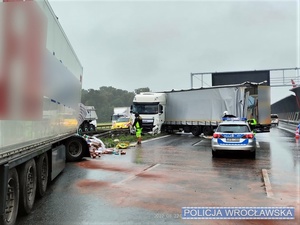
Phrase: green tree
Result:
[106,98]
[139,90]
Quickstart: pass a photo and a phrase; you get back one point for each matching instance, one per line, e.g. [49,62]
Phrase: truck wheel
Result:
[208,131]
[12,199]
[196,130]
[85,127]
[74,149]
[42,174]
[28,179]
[92,127]
[80,131]
[169,130]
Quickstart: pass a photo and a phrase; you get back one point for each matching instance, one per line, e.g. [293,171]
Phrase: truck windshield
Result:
[145,108]
[274,116]
[115,117]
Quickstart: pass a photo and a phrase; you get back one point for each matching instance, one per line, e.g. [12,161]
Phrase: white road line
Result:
[153,139]
[286,129]
[257,144]
[133,144]
[267,183]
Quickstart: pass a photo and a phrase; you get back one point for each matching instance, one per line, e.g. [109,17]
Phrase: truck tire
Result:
[169,130]
[196,131]
[92,127]
[85,126]
[74,149]
[28,177]
[208,130]
[12,200]
[80,131]
[42,165]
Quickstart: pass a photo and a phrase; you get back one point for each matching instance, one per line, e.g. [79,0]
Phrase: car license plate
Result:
[232,139]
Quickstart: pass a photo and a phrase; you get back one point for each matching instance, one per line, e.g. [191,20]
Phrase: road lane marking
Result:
[135,175]
[257,144]
[153,139]
[267,183]
[198,142]
[286,129]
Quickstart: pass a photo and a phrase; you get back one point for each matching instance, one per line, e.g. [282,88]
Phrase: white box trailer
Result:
[201,110]
[40,87]
[120,112]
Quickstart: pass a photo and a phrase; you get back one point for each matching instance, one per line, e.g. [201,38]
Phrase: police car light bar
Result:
[234,119]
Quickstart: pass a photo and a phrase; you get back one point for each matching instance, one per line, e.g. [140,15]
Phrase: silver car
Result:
[274,119]
[233,135]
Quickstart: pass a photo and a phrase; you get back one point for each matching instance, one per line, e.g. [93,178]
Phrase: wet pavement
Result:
[151,183]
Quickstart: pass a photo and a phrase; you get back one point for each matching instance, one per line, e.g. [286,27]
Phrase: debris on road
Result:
[97,147]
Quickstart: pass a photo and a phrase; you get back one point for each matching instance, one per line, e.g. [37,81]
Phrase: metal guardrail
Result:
[104,130]
[104,126]
[289,126]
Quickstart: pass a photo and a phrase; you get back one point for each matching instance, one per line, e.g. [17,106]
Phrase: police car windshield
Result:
[232,128]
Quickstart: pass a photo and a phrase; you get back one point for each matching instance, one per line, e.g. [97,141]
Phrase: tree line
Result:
[106,98]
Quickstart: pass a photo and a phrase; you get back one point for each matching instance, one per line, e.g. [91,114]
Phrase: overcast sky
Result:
[157,44]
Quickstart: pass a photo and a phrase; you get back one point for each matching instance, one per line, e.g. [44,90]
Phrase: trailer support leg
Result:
[3,187]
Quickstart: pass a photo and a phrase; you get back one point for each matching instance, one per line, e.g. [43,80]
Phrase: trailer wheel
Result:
[74,149]
[42,174]
[12,199]
[28,179]
[196,130]
[208,131]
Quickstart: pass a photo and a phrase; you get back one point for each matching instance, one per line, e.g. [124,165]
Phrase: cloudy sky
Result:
[158,44]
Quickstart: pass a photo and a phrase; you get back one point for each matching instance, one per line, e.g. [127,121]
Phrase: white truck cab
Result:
[150,106]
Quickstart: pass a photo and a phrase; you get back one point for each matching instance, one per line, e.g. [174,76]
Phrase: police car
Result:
[233,134]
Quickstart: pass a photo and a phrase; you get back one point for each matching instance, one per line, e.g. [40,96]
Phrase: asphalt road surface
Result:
[151,183]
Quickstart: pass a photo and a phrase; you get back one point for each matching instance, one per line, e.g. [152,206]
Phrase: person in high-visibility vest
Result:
[252,123]
[138,128]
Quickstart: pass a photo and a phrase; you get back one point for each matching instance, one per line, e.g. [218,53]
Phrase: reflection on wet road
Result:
[151,183]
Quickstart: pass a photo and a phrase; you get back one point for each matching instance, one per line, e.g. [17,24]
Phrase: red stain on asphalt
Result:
[150,175]
[102,166]
[185,186]
[91,184]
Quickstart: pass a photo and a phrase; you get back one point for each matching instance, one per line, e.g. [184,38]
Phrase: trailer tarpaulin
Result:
[204,104]
[21,48]
[82,114]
